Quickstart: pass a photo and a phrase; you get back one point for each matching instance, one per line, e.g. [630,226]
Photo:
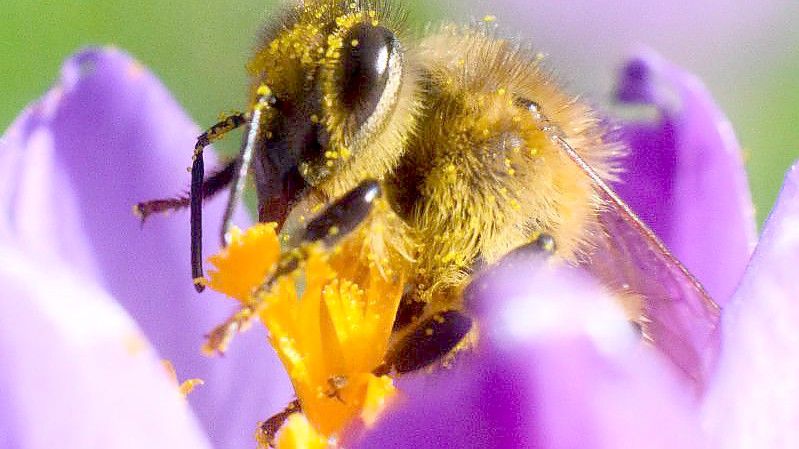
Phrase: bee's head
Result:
[343,99]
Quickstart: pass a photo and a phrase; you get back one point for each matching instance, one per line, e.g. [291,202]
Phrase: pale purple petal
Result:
[106,137]
[685,176]
[755,399]
[558,366]
[75,371]
[39,206]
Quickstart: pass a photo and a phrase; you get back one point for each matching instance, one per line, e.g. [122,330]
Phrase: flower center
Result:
[330,323]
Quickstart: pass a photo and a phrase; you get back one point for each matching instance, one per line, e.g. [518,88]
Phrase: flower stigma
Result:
[330,322]
[244,263]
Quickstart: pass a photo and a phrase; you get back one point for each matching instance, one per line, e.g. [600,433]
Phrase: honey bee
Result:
[461,146]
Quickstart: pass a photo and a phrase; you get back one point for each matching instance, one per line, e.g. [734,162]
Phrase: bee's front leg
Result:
[331,226]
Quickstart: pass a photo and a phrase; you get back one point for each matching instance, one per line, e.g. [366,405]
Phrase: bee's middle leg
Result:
[429,336]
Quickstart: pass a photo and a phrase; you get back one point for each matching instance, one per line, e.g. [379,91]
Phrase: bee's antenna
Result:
[264,102]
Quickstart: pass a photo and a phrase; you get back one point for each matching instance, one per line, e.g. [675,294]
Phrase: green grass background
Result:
[198,49]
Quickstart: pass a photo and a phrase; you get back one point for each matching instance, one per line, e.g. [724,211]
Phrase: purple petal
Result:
[108,136]
[557,367]
[685,176]
[39,204]
[76,371]
[755,399]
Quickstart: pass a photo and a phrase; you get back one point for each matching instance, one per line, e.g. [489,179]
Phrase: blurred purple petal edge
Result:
[754,400]
[684,175]
[76,370]
[107,136]
[557,366]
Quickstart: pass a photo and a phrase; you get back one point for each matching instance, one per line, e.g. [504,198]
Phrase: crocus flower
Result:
[558,365]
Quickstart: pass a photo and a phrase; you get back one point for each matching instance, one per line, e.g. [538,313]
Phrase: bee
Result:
[461,145]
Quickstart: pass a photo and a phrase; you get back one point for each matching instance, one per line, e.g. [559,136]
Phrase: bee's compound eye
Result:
[369,60]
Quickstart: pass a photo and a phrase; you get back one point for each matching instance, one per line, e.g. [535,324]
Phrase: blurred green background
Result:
[199,50]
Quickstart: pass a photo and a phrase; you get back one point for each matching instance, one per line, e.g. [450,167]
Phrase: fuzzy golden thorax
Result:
[481,174]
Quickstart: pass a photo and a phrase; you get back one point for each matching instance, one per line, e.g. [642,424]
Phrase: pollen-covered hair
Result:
[313,58]
[483,152]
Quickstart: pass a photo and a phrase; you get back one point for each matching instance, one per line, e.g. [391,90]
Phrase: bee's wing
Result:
[678,315]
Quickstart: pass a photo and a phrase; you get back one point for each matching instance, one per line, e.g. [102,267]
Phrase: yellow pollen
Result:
[245,262]
[354,42]
[264,91]
[378,393]
[449,257]
[334,330]
[330,323]
[490,18]
[298,433]
[187,386]
[332,335]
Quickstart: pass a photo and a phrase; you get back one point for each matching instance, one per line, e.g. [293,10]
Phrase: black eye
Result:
[368,60]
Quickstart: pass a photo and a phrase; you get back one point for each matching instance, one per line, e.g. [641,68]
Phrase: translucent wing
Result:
[679,317]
